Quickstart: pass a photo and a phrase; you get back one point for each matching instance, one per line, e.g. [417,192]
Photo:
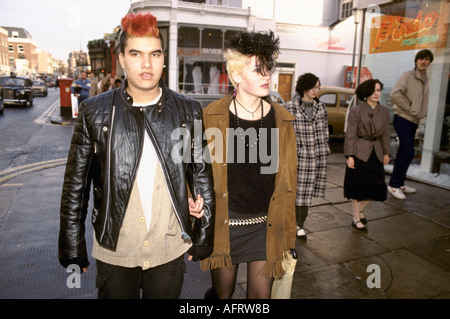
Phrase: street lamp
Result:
[356,20]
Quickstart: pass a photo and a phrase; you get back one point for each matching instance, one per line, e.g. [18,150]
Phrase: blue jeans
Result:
[406,132]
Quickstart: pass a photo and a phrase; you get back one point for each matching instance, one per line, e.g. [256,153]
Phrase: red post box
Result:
[65,96]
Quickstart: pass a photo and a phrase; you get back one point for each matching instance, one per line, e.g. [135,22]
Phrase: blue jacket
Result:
[85,87]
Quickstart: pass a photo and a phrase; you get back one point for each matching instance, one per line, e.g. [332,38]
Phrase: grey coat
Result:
[367,129]
[312,150]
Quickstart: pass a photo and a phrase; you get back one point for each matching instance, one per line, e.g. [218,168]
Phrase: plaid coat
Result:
[312,150]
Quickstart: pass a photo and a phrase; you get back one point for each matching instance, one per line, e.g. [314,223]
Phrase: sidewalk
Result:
[408,240]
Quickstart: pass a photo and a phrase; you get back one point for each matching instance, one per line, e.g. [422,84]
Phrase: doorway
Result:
[285,86]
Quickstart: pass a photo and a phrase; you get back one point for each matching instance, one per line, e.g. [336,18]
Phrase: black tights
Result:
[258,286]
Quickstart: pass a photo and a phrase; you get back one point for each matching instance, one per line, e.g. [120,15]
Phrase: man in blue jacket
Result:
[81,87]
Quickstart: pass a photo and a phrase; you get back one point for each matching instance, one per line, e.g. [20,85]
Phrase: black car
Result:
[1,102]
[16,90]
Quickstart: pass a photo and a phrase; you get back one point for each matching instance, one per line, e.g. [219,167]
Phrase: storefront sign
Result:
[397,33]
[203,52]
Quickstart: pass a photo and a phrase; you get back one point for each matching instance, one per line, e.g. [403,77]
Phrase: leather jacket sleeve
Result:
[200,181]
[72,244]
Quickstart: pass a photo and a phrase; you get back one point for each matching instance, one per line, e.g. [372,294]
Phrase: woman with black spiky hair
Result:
[255,195]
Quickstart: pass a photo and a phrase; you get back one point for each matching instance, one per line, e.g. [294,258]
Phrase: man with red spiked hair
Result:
[143,217]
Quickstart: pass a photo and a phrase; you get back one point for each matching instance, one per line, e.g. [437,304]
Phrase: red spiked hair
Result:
[140,25]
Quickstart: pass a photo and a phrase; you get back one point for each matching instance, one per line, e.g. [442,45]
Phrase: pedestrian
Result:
[117,83]
[367,148]
[312,136]
[410,99]
[80,87]
[142,215]
[106,84]
[94,84]
[255,199]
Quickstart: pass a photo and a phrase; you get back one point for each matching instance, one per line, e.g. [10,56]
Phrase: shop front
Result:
[392,34]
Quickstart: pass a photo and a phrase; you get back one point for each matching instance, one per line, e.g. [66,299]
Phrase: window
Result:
[346,9]
[10,48]
[20,48]
[15,34]
[201,65]
[329,99]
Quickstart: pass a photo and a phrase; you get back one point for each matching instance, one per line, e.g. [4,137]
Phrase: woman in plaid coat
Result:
[311,131]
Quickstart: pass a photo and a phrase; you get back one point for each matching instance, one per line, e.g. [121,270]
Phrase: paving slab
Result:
[415,277]
[341,245]
[331,282]
[404,229]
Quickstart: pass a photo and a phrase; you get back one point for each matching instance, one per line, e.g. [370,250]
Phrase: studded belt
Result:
[247,221]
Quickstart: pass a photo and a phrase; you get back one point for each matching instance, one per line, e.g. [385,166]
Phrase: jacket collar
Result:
[128,99]
[221,108]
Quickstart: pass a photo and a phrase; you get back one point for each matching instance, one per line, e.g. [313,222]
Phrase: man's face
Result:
[83,76]
[423,64]
[143,62]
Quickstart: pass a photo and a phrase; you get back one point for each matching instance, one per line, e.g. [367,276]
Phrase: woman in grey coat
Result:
[311,132]
[366,147]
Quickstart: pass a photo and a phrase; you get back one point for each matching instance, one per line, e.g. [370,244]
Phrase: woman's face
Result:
[375,97]
[251,82]
[311,94]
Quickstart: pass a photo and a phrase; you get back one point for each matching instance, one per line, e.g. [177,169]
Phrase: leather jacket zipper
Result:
[184,234]
[108,178]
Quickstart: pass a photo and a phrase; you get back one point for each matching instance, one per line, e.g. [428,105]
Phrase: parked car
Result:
[338,101]
[39,88]
[50,83]
[17,90]
[1,102]
[276,97]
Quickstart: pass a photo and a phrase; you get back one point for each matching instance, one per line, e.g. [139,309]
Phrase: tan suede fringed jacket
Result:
[281,225]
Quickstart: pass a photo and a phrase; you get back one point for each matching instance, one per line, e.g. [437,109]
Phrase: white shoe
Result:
[396,192]
[407,189]
[301,234]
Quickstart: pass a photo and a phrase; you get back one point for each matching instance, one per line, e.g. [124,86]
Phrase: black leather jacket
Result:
[108,141]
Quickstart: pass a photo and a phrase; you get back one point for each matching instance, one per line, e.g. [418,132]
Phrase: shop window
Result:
[212,38]
[202,68]
[188,37]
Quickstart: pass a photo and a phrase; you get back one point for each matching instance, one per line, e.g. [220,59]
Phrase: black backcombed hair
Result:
[306,82]
[264,45]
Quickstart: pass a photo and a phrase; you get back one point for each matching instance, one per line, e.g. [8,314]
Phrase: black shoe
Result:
[211,294]
[363,219]
[359,228]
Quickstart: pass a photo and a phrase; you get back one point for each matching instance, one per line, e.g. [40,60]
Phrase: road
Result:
[28,143]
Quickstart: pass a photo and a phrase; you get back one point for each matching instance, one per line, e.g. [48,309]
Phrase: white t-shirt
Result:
[146,170]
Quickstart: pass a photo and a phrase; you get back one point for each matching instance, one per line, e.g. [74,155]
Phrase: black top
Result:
[250,190]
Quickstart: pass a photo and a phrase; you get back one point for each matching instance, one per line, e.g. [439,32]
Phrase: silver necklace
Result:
[252,113]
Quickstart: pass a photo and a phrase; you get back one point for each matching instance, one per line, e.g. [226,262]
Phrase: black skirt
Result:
[247,242]
[366,181]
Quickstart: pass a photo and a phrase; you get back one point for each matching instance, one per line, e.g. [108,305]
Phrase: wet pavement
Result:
[405,253]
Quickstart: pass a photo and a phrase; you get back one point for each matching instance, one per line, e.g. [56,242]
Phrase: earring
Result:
[235,90]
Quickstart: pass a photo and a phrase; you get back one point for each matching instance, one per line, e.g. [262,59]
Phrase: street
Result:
[27,144]
[23,141]
[407,240]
